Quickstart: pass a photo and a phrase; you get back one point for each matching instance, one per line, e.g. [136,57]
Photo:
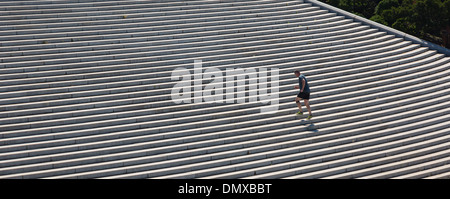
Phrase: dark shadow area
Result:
[308,125]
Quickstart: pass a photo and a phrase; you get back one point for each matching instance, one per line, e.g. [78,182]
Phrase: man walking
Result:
[304,94]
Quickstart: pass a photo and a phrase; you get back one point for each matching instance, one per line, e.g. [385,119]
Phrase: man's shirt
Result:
[300,78]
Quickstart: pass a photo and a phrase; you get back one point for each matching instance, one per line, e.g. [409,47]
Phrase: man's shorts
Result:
[303,95]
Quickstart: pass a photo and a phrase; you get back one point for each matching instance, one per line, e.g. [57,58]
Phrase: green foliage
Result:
[364,7]
[429,15]
[447,12]
[447,6]
[405,25]
[415,17]
[384,5]
[334,3]
[359,14]
[379,19]
[389,15]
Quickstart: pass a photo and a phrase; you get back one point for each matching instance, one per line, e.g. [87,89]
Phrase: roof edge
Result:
[381,27]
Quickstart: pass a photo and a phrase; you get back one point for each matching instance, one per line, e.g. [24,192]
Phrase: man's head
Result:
[297,73]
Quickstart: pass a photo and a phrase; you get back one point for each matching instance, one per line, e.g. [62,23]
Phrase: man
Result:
[304,94]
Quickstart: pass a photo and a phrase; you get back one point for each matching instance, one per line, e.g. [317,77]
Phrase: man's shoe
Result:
[299,113]
[309,117]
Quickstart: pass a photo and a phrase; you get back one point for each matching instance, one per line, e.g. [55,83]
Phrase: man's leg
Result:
[297,100]
[307,106]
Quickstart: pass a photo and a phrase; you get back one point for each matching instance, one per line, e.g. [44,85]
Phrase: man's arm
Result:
[303,85]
